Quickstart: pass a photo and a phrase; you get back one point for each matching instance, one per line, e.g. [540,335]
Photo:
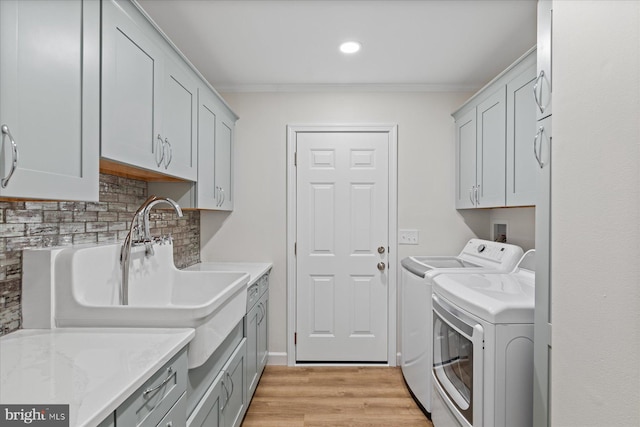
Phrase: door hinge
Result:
[295,338]
[295,249]
[295,159]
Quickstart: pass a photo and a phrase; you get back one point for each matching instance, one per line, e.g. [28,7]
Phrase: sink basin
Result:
[87,293]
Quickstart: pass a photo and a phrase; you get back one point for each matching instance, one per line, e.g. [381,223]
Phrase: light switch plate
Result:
[408,237]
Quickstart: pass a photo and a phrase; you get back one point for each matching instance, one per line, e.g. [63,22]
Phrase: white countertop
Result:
[93,370]
[255,269]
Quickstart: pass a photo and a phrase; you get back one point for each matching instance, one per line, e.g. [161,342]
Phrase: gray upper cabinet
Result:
[49,99]
[490,147]
[494,133]
[215,132]
[216,126]
[149,96]
[224,161]
[466,160]
[521,164]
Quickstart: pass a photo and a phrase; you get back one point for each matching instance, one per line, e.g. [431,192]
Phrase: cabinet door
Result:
[207,122]
[252,325]
[263,337]
[466,160]
[179,113]
[234,387]
[49,99]
[544,79]
[542,314]
[491,150]
[208,413]
[132,66]
[224,162]
[521,126]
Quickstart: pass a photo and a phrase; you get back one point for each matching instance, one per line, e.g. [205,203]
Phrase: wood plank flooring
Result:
[333,396]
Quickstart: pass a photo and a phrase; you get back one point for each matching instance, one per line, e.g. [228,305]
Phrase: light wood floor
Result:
[333,396]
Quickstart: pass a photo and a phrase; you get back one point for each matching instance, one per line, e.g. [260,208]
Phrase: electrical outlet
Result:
[408,237]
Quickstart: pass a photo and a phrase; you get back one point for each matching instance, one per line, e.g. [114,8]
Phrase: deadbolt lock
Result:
[381,250]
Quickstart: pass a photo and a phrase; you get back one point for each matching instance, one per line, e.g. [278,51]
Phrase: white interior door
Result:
[342,231]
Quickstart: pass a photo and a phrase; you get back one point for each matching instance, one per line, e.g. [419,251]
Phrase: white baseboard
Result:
[277,358]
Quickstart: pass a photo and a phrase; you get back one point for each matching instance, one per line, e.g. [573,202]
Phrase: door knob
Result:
[381,266]
[381,250]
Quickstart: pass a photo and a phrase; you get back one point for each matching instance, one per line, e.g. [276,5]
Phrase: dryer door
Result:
[457,361]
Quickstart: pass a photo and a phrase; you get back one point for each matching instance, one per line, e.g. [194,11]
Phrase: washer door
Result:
[457,359]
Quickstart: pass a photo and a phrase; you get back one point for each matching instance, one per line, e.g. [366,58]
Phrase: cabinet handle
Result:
[166,380]
[226,393]
[535,92]
[262,313]
[471,191]
[217,196]
[477,195]
[223,196]
[167,160]
[232,385]
[535,146]
[14,155]
[159,150]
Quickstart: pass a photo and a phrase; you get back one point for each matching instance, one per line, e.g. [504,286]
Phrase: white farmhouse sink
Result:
[87,293]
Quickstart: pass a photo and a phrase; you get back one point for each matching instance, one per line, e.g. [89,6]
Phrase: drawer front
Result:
[177,416]
[149,404]
[263,283]
[253,294]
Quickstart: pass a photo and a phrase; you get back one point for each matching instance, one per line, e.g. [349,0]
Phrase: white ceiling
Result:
[243,45]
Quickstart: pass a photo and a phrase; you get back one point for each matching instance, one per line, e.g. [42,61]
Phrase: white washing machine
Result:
[483,348]
[416,324]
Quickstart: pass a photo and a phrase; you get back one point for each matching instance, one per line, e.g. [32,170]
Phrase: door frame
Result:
[392,131]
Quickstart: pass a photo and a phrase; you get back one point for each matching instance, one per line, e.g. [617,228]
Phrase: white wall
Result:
[520,225]
[596,214]
[256,230]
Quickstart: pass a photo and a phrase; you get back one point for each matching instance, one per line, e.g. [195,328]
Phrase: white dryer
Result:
[483,348]
[416,323]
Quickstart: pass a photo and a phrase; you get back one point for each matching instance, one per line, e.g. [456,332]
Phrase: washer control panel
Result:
[492,252]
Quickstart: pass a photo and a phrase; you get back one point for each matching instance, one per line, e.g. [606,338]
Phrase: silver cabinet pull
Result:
[14,155]
[159,150]
[223,196]
[471,191]
[539,80]
[535,146]
[166,380]
[226,393]
[381,266]
[167,159]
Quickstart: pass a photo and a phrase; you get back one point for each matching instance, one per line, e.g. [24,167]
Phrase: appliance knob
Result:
[481,248]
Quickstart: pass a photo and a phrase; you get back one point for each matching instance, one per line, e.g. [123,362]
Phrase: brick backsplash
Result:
[26,224]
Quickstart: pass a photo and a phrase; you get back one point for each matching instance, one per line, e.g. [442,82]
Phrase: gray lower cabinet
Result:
[256,329]
[161,398]
[221,389]
[49,99]
[160,401]
[225,401]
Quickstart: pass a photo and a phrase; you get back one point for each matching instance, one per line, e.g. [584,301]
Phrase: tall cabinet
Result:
[542,154]
[49,99]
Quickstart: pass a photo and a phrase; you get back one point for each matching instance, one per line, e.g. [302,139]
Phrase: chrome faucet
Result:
[140,228]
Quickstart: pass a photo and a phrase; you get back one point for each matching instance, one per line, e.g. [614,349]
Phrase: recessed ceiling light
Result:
[350,47]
